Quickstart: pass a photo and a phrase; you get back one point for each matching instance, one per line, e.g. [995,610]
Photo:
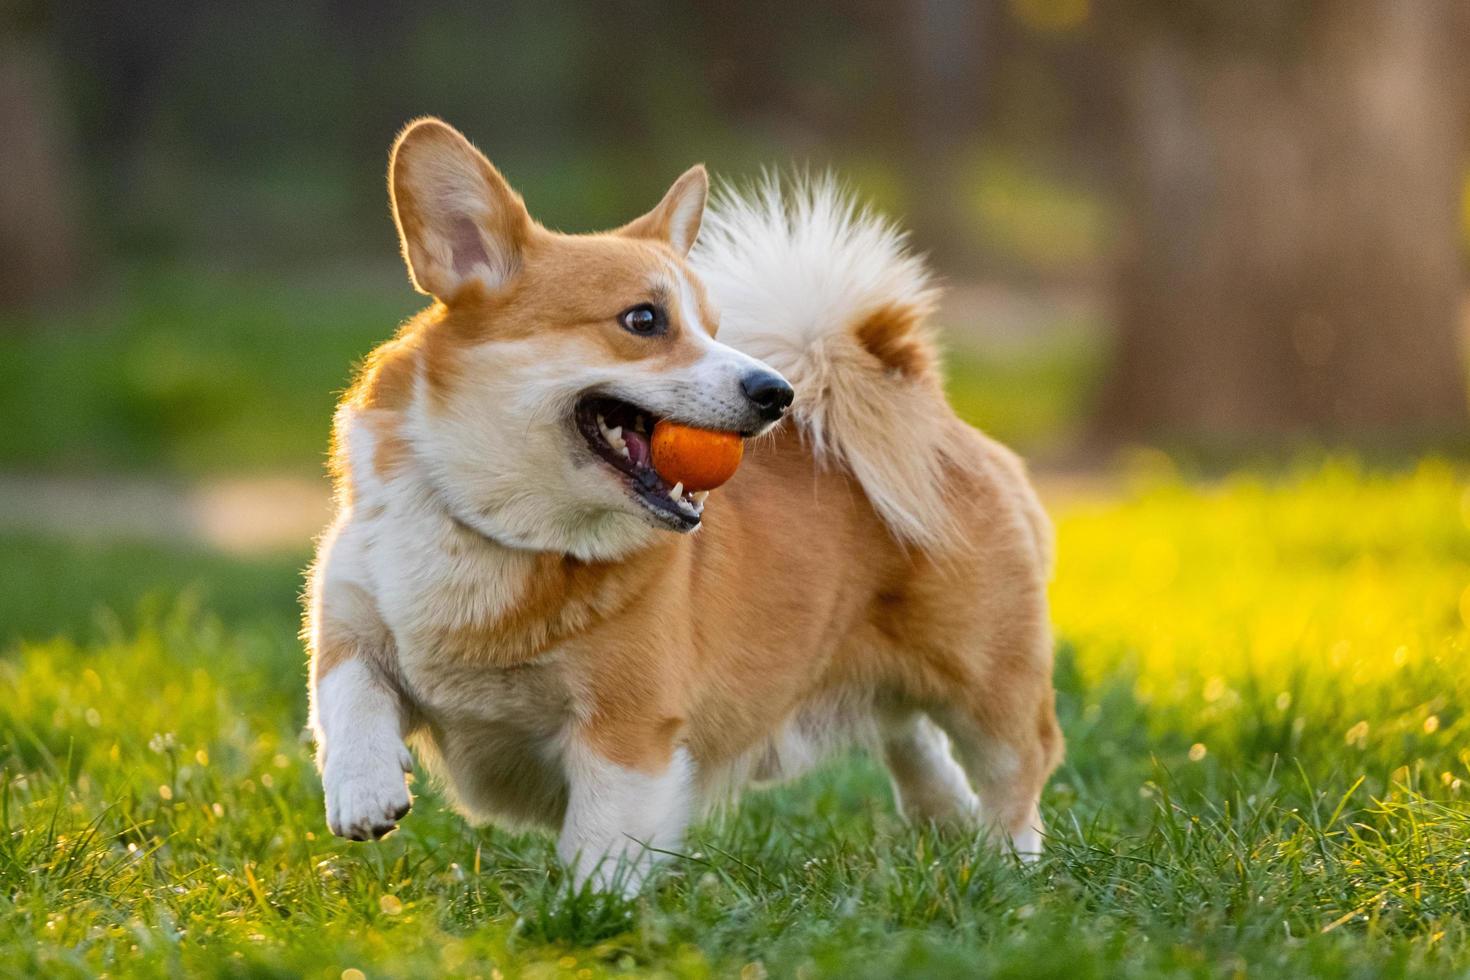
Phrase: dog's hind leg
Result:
[1007,739]
[928,782]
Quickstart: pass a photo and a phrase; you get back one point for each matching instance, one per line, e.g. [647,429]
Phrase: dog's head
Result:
[548,357]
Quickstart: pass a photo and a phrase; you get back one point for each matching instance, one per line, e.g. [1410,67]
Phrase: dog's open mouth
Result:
[619,433]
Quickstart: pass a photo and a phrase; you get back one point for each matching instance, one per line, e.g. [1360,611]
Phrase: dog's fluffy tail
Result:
[829,294]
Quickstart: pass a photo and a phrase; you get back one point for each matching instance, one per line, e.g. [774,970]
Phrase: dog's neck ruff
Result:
[483,535]
[467,525]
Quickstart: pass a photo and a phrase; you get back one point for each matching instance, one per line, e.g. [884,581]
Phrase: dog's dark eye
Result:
[645,319]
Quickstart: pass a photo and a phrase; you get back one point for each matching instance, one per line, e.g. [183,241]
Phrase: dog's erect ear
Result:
[458,219]
[677,217]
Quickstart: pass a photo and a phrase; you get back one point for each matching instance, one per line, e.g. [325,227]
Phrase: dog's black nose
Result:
[769,392]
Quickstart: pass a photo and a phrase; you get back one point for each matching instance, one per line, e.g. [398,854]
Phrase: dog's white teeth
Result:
[613,437]
[624,450]
[699,496]
[686,502]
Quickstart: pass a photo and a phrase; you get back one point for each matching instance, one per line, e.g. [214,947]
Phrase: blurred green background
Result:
[207,236]
[1224,228]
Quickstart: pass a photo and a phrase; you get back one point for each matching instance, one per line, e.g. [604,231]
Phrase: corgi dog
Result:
[511,593]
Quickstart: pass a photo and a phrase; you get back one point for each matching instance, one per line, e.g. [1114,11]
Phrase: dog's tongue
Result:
[637,447]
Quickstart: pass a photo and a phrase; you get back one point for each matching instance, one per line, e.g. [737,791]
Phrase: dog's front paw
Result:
[366,797]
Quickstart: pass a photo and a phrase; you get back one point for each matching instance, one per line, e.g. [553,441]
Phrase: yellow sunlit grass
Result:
[1338,601]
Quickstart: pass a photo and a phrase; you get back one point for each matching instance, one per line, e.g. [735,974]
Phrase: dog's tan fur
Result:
[525,665]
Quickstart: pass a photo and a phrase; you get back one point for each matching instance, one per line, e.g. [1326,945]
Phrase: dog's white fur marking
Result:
[689,305]
[359,730]
[1027,841]
[618,820]
[793,269]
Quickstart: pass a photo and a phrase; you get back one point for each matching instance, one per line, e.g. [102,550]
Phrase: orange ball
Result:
[701,459]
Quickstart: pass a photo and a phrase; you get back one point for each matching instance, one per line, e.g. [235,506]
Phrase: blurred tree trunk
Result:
[39,233]
[1292,189]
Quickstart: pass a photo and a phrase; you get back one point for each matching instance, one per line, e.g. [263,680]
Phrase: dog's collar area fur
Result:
[463,524]
[468,528]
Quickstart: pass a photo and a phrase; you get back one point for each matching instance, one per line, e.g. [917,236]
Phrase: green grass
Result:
[1263,686]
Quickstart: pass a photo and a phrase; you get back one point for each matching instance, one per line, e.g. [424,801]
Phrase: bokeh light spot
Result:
[1051,15]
